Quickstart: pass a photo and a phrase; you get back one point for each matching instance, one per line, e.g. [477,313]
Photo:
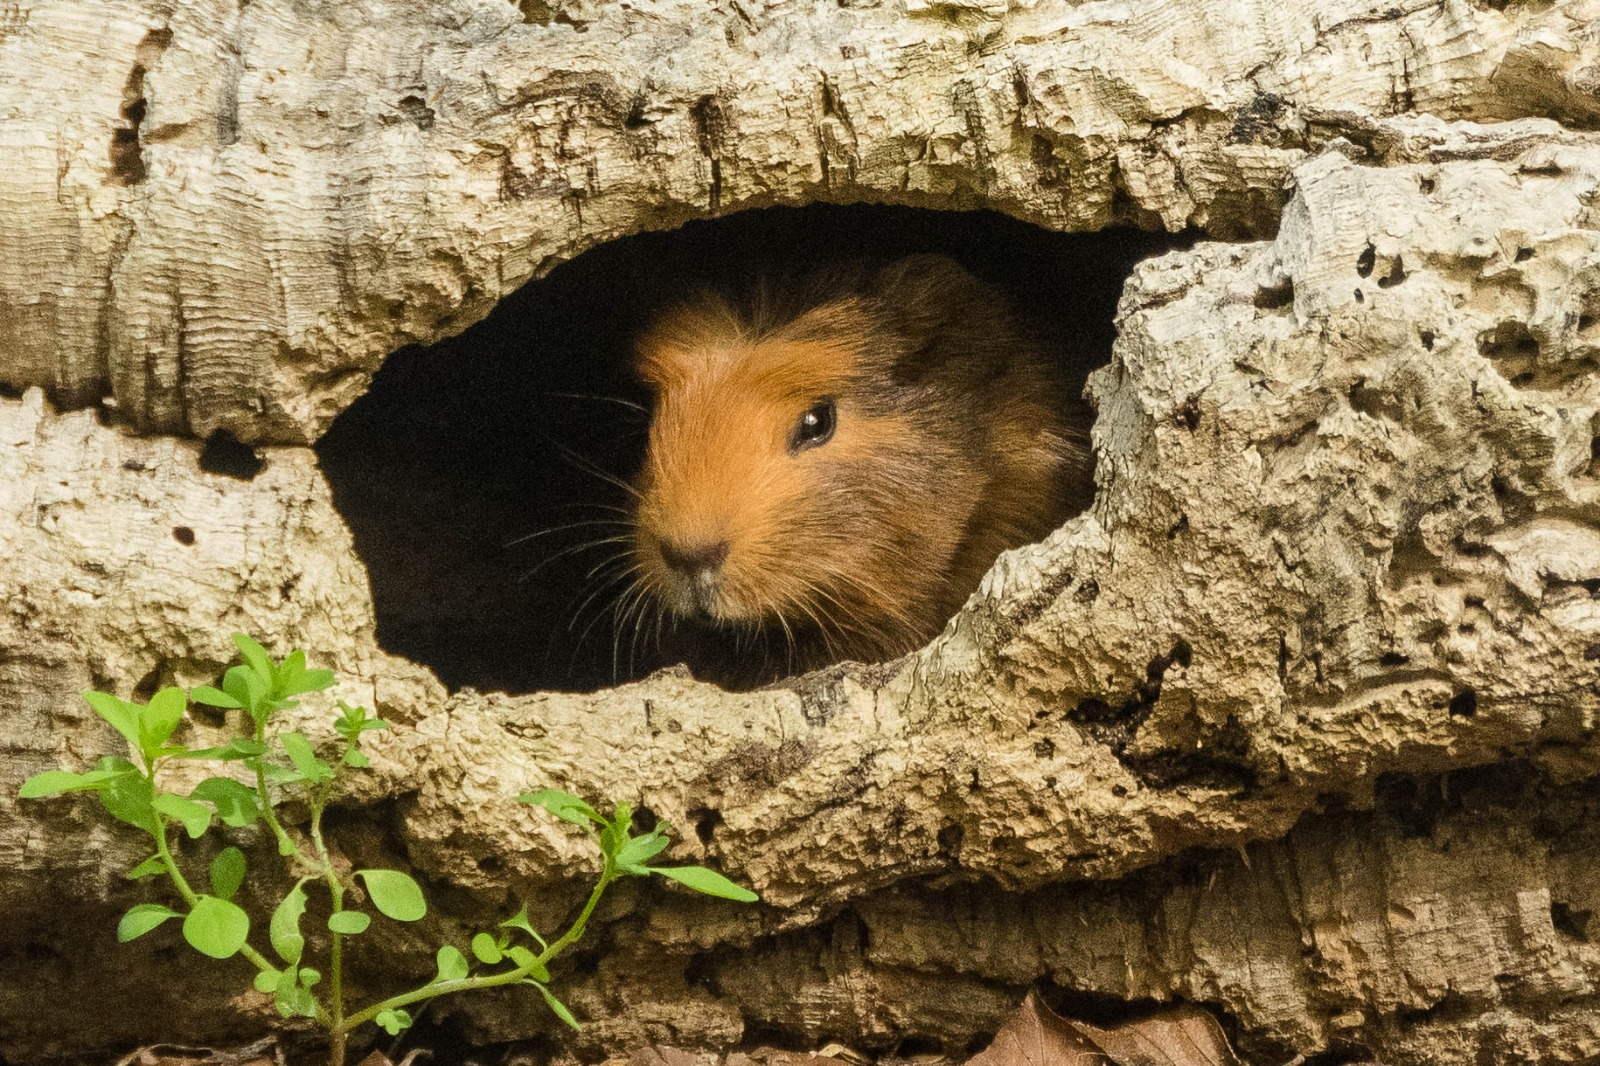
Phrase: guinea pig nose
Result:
[694,558]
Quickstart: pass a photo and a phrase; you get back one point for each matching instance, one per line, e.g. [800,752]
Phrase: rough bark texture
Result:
[1297,721]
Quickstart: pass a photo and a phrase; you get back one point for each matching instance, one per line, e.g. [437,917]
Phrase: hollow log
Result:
[1296,722]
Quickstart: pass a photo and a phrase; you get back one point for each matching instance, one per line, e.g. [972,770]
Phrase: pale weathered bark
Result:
[1347,533]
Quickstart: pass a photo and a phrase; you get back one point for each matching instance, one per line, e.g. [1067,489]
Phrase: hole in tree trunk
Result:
[478,476]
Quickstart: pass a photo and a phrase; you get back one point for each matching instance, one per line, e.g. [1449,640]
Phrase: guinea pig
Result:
[832,465]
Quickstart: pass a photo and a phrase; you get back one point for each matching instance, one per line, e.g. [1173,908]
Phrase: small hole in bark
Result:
[1393,658]
[464,471]
[1570,921]
[1396,274]
[150,683]
[914,1046]
[645,819]
[183,535]
[1045,749]
[1188,414]
[699,972]
[1464,704]
[1366,261]
[492,865]
[1361,297]
[950,836]
[1427,339]
[706,824]
[224,454]
[1523,255]
[1276,297]
[1509,341]
[1591,653]
[1427,185]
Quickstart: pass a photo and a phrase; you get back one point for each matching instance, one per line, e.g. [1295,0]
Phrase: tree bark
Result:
[1297,721]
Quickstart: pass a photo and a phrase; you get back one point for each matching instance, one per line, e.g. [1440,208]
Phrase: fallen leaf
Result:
[1182,1036]
[1035,1035]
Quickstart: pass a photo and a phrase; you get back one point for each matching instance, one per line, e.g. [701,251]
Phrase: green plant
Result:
[277,763]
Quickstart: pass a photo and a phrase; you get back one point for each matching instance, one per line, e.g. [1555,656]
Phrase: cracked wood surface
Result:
[1344,538]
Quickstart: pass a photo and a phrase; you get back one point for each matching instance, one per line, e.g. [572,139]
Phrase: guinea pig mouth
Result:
[699,596]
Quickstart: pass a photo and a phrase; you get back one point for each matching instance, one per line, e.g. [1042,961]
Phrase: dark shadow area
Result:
[479,476]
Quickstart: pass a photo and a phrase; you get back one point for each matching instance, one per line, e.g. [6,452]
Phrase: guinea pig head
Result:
[782,488]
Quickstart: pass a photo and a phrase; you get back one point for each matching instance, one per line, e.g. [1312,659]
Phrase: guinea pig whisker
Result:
[878,596]
[588,466]
[524,538]
[600,587]
[574,550]
[618,400]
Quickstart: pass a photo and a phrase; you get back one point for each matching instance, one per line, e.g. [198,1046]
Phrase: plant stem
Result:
[191,897]
[467,984]
[336,1025]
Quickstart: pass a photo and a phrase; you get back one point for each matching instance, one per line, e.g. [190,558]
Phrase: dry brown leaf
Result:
[1035,1035]
[1182,1036]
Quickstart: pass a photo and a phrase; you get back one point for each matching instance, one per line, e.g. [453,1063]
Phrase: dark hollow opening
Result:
[464,469]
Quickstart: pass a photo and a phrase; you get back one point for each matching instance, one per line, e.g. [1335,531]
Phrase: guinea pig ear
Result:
[922,283]
[929,299]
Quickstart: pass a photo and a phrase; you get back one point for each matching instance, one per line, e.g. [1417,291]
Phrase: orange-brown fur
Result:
[955,437]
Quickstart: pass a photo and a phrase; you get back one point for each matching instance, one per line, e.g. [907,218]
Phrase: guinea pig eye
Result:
[814,428]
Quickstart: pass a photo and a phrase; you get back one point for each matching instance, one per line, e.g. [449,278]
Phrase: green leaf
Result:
[708,881]
[141,919]
[151,867]
[216,927]
[525,960]
[393,1022]
[55,782]
[123,716]
[356,759]
[237,805]
[284,930]
[563,805]
[288,673]
[294,678]
[640,850]
[247,689]
[129,798]
[557,1006]
[268,980]
[227,872]
[284,775]
[158,719]
[196,817]
[349,923]
[294,1001]
[395,894]
[309,977]
[237,748]
[452,964]
[214,697]
[520,921]
[617,832]
[255,656]
[487,951]
[304,758]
